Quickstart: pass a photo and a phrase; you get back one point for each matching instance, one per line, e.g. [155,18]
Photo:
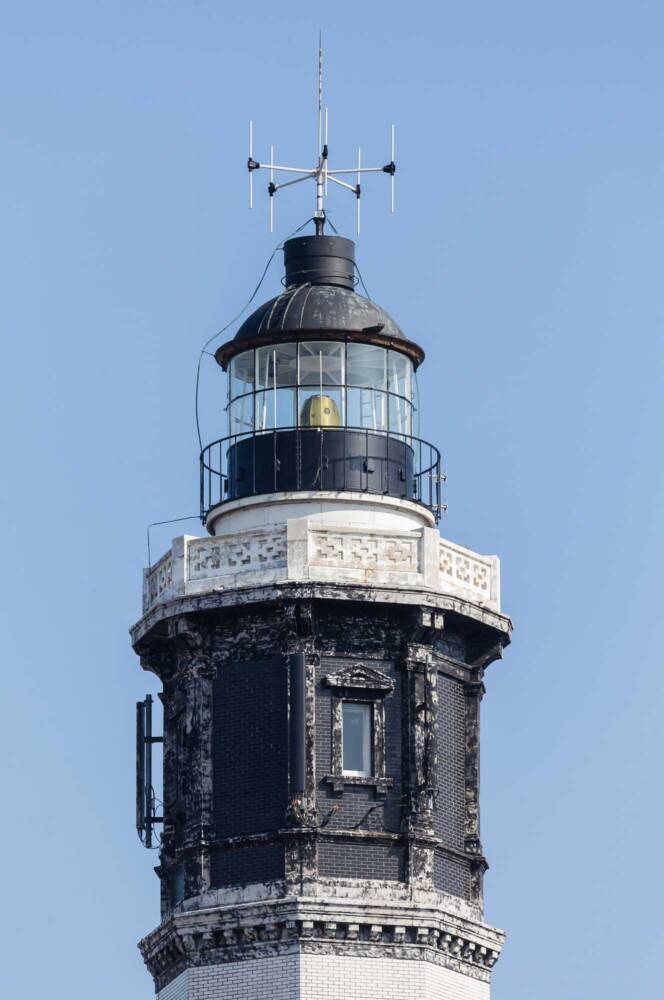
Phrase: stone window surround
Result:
[366,685]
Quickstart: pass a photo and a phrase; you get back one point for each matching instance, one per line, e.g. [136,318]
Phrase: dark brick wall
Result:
[323,730]
[451,645]
[451,875]
[450,739]
[364,860]
[239,866]
[360,630]
[250,747]
[393,753]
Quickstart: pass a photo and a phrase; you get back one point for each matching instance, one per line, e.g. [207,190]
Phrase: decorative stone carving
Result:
[160,579]
[210,557]
[467,570]
[421,709]
[472,695]
[302,550]
[365,550]
[362,677]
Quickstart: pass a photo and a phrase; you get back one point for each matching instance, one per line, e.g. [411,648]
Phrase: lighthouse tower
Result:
[322,653]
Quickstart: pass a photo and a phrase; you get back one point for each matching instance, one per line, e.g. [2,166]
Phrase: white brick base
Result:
[178,989]
[324,977]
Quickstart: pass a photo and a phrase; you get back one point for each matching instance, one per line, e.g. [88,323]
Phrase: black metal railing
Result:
[291,459]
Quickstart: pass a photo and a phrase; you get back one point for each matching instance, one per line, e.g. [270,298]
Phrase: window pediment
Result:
[359,677]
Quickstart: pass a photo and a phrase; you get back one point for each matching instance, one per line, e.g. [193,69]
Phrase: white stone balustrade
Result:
[305,549]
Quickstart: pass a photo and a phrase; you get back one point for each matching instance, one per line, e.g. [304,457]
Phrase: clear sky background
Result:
[525,256]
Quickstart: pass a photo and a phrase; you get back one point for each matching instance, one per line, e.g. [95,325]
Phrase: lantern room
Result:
[321,393]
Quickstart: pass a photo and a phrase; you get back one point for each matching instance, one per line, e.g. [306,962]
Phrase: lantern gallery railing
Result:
[291,459]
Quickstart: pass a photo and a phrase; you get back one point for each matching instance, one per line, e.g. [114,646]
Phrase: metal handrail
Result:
[215,473]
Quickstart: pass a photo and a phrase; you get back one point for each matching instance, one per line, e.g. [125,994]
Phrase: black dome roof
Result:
[318,307]
[319,301]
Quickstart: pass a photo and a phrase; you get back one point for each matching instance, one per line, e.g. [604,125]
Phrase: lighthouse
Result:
[321,650]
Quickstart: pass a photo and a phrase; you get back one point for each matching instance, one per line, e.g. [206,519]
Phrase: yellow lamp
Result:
[320,411]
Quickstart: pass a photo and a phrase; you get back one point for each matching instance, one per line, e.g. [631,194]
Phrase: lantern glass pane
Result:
[276,366]
[356,727]
[242,374]
[366,365]
[321,363]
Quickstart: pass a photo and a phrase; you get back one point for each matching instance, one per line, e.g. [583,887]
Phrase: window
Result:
[356,727]
[358,385]
[400,410]
[276,366]
[366,366]
[399,374]
[281,400]
[240,416]
[176,880]
[242,374]
[367,408]
[321,363]
[358,694]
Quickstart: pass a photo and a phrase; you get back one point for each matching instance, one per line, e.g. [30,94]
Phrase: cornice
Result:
[315,591]
[216,936]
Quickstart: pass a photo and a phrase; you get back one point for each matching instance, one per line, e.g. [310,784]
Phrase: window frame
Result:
[361,684]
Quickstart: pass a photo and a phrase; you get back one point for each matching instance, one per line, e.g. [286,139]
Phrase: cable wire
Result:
[251,298]
[359,274]
[171,520]
[204,351]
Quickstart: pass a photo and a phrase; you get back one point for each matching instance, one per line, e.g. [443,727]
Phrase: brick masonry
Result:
[324,977]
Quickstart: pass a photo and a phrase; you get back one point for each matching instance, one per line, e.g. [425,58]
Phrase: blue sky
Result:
[525,256]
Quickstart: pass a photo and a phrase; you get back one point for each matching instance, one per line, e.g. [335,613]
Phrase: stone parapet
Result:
[306,550]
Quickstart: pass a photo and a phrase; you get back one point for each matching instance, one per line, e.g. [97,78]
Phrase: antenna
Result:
[146,814]
[250,160]
[357,186]
[393,170]
[320,173]
[320,90]
[271,189]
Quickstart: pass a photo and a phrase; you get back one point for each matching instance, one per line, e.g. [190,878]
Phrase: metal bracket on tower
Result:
[146,803]
[321,173]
